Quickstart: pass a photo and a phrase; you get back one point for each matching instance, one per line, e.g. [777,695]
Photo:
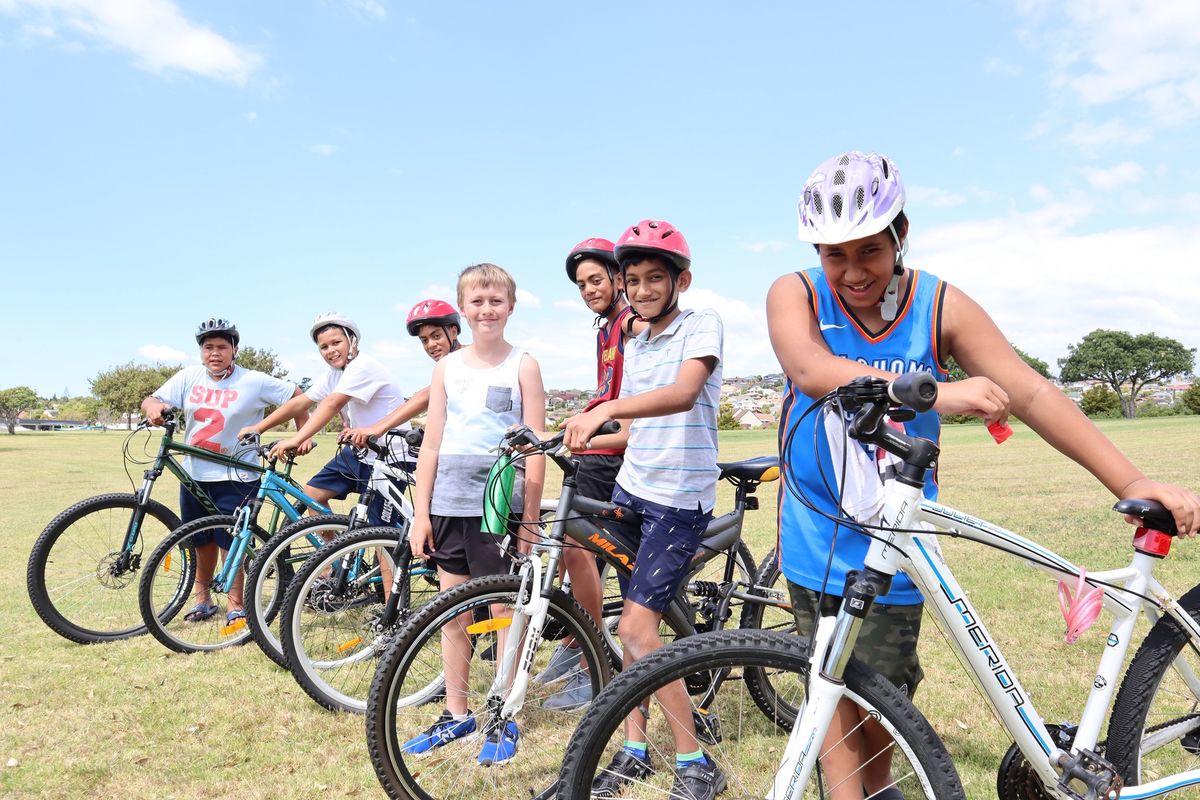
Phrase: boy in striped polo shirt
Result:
[671,390]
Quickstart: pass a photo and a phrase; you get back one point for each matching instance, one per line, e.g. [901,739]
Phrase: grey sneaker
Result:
[576,693]
[623,770]
[562,661]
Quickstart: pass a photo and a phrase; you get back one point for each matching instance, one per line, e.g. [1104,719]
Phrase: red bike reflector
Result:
[1153,542]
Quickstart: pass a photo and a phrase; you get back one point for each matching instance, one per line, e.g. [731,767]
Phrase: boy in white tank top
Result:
[476,394]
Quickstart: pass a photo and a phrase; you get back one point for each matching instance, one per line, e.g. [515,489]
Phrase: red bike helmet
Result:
[432,312]
[595,248]
[655,237]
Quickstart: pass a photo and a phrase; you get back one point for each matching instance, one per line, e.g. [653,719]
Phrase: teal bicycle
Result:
[171,581]
[82,569]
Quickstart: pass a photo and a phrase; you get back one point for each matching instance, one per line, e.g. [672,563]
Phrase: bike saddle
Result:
[1152,514]
[761,469]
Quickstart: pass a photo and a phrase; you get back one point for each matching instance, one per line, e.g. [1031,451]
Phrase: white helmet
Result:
[335,318]
[850,196]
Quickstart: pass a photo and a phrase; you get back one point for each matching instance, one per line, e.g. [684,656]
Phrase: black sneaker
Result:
[623,769]
[698,781]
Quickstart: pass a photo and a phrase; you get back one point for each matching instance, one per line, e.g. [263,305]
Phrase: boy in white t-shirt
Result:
[218,398]
[357,385]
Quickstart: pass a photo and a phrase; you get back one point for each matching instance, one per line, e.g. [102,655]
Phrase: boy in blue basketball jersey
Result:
[862,312]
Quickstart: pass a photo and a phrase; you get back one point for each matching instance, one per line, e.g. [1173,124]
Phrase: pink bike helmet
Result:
[594,248]
[849,197]
[432,312]
[656,238]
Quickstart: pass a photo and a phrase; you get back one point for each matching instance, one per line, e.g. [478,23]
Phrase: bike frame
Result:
[920,556]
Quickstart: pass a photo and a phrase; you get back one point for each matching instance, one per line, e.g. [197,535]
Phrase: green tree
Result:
[1100,401]
[122,388]
[725,419]
[15,401]
[262,360]
[1191,398]
[86,409]
[1121,360]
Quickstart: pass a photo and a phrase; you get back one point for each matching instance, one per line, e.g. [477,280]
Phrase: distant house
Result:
[754,420]
[50,424]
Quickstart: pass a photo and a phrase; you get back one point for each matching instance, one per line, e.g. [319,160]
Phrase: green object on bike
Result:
[498,495]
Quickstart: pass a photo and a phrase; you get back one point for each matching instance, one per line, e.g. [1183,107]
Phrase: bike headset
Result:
[663,240]
[218,326]
[600,250]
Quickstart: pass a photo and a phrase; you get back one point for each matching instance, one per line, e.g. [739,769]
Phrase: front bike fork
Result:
[224,580]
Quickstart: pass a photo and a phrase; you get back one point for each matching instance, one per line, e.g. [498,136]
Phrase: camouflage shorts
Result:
[887,640]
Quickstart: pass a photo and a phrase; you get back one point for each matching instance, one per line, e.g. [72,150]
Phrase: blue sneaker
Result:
[442,732]
[500,745]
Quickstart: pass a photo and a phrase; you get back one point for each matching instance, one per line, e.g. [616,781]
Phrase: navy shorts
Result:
[669,540]
[343,475]
[227,495]
[461,547]
[597,475]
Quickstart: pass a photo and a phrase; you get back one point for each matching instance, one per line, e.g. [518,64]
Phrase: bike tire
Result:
[165,589]
[277,562]
[750,747]
[400,707]
[73,578]
[760,681]
[332,637]
[1154,730]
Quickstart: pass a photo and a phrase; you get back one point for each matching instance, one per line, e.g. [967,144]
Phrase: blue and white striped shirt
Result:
[672,460]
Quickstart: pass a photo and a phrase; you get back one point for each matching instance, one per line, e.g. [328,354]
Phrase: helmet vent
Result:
[883,162]
[844,161]
[818,205]
[839,178]
[653,225]
[668,233]
[836,204]
[636,231]
[859,197]
[874,187]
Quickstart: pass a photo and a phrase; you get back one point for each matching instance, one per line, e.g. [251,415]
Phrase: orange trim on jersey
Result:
[935,329]
[812,293]
[887,329]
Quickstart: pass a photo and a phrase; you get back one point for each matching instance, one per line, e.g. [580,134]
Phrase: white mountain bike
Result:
[1153,736]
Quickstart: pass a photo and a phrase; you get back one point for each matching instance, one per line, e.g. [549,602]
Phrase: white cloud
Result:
[1114,177]
[1090,138]
[324,150]
[769,246]
[1041,193]
[367,8]
[528,299]
[1105,51]
[747,345]
[1047,286]
[162,353]
[933,196]
[251,116]
[155,32]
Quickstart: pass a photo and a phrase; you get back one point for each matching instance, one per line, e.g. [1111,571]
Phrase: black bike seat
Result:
[1152,514]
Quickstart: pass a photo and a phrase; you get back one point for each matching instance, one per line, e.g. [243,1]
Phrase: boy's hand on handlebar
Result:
[420,537]
[978,397]
[292,444]
[1183,503]
[579,429]
[156,412]
[248,433]
[359,436]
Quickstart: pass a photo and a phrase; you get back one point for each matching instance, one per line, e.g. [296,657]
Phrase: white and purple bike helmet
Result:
[852,196]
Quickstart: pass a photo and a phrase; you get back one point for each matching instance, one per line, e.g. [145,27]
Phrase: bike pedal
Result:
[708,726]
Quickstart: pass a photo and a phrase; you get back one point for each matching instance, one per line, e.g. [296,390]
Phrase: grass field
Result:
[130,720]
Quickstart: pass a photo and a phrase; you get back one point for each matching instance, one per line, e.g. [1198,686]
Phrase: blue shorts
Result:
[669,540]
[227,495]
[345,475]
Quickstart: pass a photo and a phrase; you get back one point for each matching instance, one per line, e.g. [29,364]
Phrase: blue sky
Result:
[162,162]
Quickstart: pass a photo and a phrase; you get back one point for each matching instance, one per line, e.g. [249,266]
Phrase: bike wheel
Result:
[1154,730]
[697,593]
[80,577]
[275,565]
[332,627]
[771,688]
[748,748]
[165,591]
[401,706]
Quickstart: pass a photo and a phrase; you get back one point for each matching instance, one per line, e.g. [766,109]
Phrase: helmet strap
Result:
[351,353]
[889,304]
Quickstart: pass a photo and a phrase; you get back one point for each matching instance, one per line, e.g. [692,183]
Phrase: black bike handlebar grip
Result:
[415,437]
[612,426]
[917,390]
